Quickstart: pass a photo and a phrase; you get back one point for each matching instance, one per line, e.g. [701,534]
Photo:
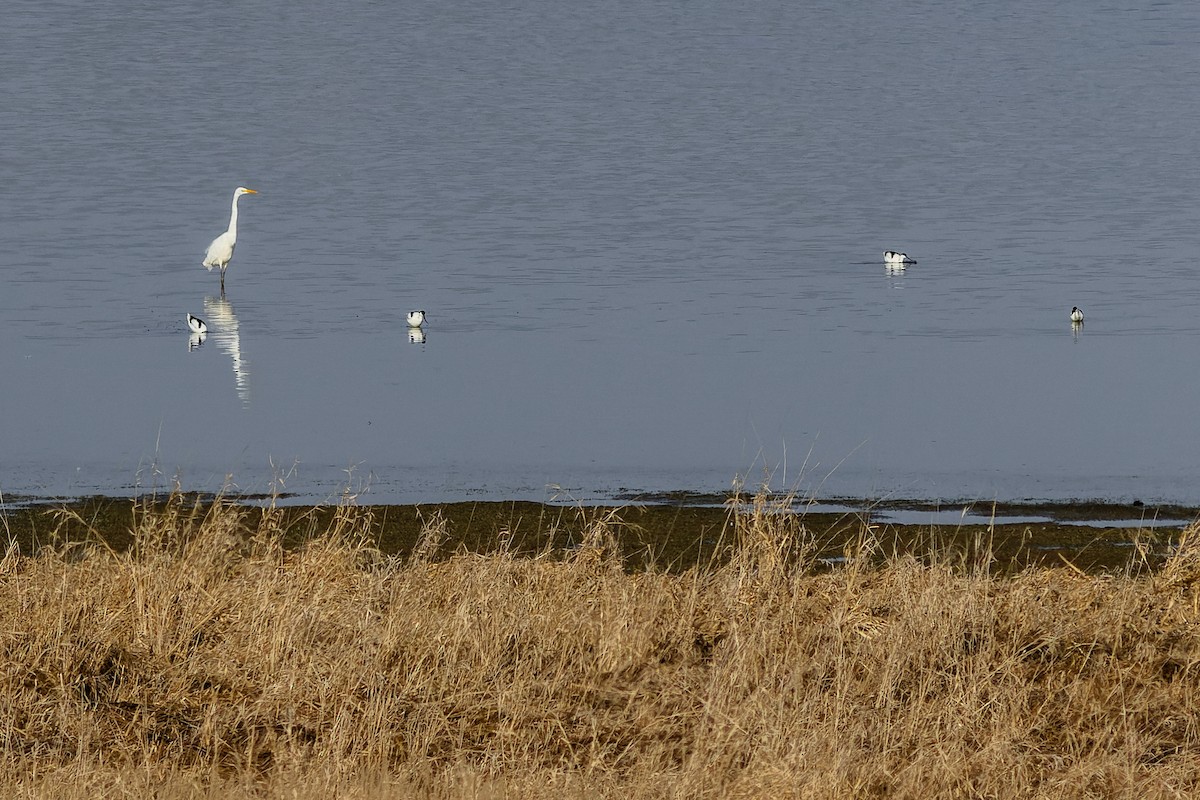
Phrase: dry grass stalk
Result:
[213,660]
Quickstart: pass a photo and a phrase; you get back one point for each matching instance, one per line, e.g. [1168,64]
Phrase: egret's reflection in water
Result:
[224,326]
[416,335]
[195,340]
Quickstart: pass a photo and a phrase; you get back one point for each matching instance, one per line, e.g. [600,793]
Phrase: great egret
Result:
[416,319]
[1076,314]
[891,257]
[196,325]
[221,249]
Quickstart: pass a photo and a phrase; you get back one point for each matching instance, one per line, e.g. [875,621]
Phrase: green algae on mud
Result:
[662,535]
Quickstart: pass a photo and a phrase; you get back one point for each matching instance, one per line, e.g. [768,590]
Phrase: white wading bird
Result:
[1076,314]
[416,319]
[221,249]
[891,257]
[196,325]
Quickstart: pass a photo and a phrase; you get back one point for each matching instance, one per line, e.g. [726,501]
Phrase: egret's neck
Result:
[233,215]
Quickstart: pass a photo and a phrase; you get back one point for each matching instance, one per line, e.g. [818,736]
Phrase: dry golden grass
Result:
[210,661]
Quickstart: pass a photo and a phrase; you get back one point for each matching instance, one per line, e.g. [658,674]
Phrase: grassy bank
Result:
[221,654]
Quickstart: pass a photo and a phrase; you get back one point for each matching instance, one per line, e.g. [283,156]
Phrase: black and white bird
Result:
[416,319]
[196,325]
[892,257]
[1076,314]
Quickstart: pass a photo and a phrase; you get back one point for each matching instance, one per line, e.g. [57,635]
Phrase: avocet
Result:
[196,325]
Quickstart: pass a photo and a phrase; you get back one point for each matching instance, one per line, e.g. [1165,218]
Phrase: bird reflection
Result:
[195,340]
[225,331]
[416,335]
[1076,322]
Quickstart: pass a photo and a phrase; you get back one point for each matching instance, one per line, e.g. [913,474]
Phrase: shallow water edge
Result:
[674,536]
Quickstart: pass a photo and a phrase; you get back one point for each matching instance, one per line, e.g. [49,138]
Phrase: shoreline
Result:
[669,534]
[1076,509]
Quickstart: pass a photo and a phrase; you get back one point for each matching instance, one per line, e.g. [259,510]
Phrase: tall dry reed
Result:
[211,660]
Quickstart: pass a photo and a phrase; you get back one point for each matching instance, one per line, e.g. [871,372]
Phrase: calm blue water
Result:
[648,237]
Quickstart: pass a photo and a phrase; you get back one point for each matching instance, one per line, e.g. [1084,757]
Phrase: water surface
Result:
[648,237]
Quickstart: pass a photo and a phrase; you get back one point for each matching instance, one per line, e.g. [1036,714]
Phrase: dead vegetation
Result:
[209,660]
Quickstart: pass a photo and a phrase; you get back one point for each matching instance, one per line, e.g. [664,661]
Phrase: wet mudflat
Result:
[1093,537]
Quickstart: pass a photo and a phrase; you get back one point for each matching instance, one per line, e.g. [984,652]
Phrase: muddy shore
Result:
[678,533]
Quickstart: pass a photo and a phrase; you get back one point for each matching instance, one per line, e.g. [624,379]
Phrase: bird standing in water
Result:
[416,319]
[1076,314]
[196,325]
[221,249]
